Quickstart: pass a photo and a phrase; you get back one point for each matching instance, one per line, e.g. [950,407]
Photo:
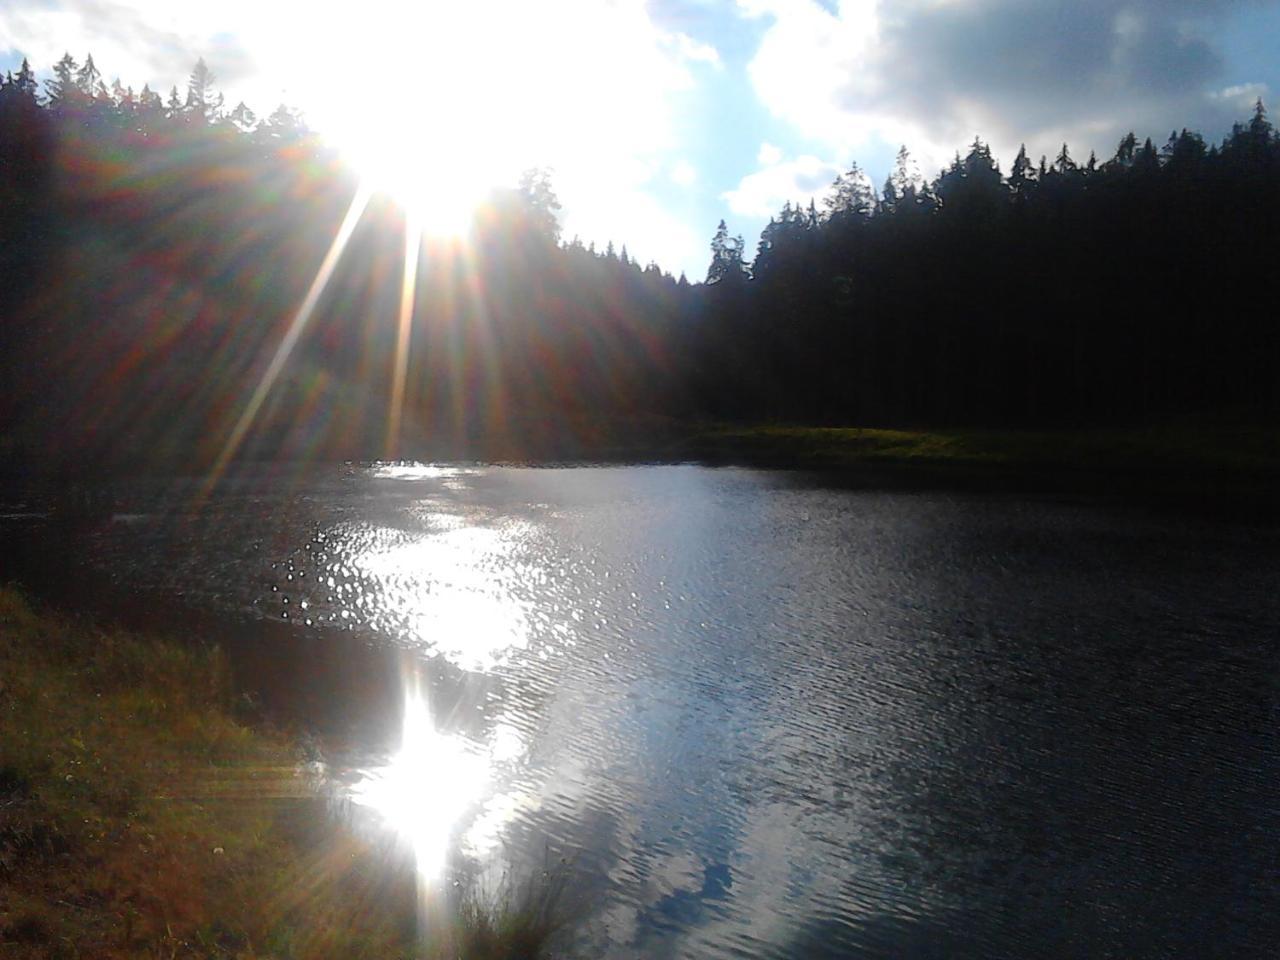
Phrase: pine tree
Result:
[242,118]
[89,81]
[62,88]
[1064,164]
[25,81]
[203,102]
[726,257]
[851,194]
[1259,126]
[1021,177]
[888,197]
[906,178]
[1260,134]
[283,124]
[1126,151]
[1185,149]
[541,202]
[1147,159]
[149,103]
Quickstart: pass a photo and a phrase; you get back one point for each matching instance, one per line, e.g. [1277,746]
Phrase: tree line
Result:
[154,251]
[1063,292]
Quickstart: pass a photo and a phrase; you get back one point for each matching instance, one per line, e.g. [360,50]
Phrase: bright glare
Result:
[439,192]
[427,787]
[444,126]
[452,592]
[438,103]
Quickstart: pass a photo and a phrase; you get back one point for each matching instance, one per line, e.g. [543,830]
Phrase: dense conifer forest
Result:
[155,252]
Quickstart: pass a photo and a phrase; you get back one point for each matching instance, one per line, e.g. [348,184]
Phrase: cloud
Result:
[692,51]
[933,73]
[769,154]
[684,173]
[761,194]
[124,41]
[481,89]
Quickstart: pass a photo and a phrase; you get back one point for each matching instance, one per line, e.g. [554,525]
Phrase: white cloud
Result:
[761,194]
[472,92]
[683,173]
[808,54]
[595,207]
[695,52]
[1242,95]
[768,155]
[934,74]
[140,43]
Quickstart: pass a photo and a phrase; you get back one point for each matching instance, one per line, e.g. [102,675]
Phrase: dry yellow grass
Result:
[140,818]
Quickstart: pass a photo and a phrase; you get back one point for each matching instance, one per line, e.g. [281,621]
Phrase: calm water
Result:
[760,715]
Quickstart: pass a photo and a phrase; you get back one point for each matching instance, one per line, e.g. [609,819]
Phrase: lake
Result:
[759,714]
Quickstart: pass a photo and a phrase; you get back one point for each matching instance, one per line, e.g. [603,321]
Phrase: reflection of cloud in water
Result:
[486,834]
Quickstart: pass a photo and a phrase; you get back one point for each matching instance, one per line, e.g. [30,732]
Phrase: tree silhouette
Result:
[726,257]
[61,89]
[541,200]
[133,305]
[89,81]
[203,101]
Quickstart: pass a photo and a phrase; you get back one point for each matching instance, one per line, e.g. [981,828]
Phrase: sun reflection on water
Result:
[452,593]
[412,470]
[455,585]
[428,786]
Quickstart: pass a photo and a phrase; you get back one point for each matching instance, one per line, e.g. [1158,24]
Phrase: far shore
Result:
[1210,464]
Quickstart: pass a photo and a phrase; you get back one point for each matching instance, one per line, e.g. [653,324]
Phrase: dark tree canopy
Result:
[152,252]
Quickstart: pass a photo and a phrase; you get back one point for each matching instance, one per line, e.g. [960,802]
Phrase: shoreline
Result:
[142,812]
[1204,467]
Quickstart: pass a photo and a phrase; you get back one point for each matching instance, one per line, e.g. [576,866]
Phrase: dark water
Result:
[763,716]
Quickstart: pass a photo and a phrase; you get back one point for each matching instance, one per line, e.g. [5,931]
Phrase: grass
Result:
[1239,452]
[1233,448]
[1201,460]
[139,817]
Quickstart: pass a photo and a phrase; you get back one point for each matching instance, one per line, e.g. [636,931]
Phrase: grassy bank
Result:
[1192,459]
[1177,456]
[140,818]
[1194,453]
[1232,449]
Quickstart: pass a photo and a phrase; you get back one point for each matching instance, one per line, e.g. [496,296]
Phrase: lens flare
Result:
[429,784]
[290,339]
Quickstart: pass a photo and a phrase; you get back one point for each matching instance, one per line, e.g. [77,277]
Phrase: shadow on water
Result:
[343,685]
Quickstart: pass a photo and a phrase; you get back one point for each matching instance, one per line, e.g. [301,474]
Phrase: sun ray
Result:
[296,326]
[408,289]
[484,339]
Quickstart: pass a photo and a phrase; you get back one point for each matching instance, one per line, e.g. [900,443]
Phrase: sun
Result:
[439,191]
[450,118]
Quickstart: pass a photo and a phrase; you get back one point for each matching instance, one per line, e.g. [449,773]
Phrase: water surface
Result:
[759,714]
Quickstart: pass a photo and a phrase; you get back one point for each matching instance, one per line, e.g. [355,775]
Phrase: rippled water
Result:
[763,716]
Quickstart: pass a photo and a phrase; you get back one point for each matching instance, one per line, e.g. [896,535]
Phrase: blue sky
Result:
[659,118]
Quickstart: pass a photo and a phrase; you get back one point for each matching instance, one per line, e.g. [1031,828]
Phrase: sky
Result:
[659,118]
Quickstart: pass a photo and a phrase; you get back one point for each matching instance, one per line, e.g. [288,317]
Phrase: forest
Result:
[156,253]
